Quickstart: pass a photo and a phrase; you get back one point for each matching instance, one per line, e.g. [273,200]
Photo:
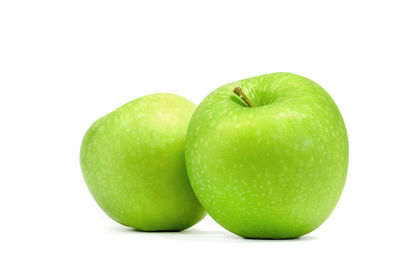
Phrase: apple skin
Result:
[133,162]
[275,170]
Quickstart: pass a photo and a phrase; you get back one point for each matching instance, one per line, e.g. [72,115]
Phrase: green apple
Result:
[133,162]
[269,158]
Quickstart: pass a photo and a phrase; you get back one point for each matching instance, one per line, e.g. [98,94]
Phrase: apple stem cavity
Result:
[239,92]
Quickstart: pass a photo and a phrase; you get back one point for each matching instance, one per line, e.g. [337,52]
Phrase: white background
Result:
[63,64]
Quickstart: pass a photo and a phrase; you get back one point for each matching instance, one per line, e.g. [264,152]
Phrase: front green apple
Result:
[133,162]
[271,163]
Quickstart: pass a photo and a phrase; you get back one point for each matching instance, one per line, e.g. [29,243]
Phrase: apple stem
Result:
[239,92]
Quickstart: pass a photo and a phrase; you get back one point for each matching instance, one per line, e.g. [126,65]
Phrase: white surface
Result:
[63,64]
